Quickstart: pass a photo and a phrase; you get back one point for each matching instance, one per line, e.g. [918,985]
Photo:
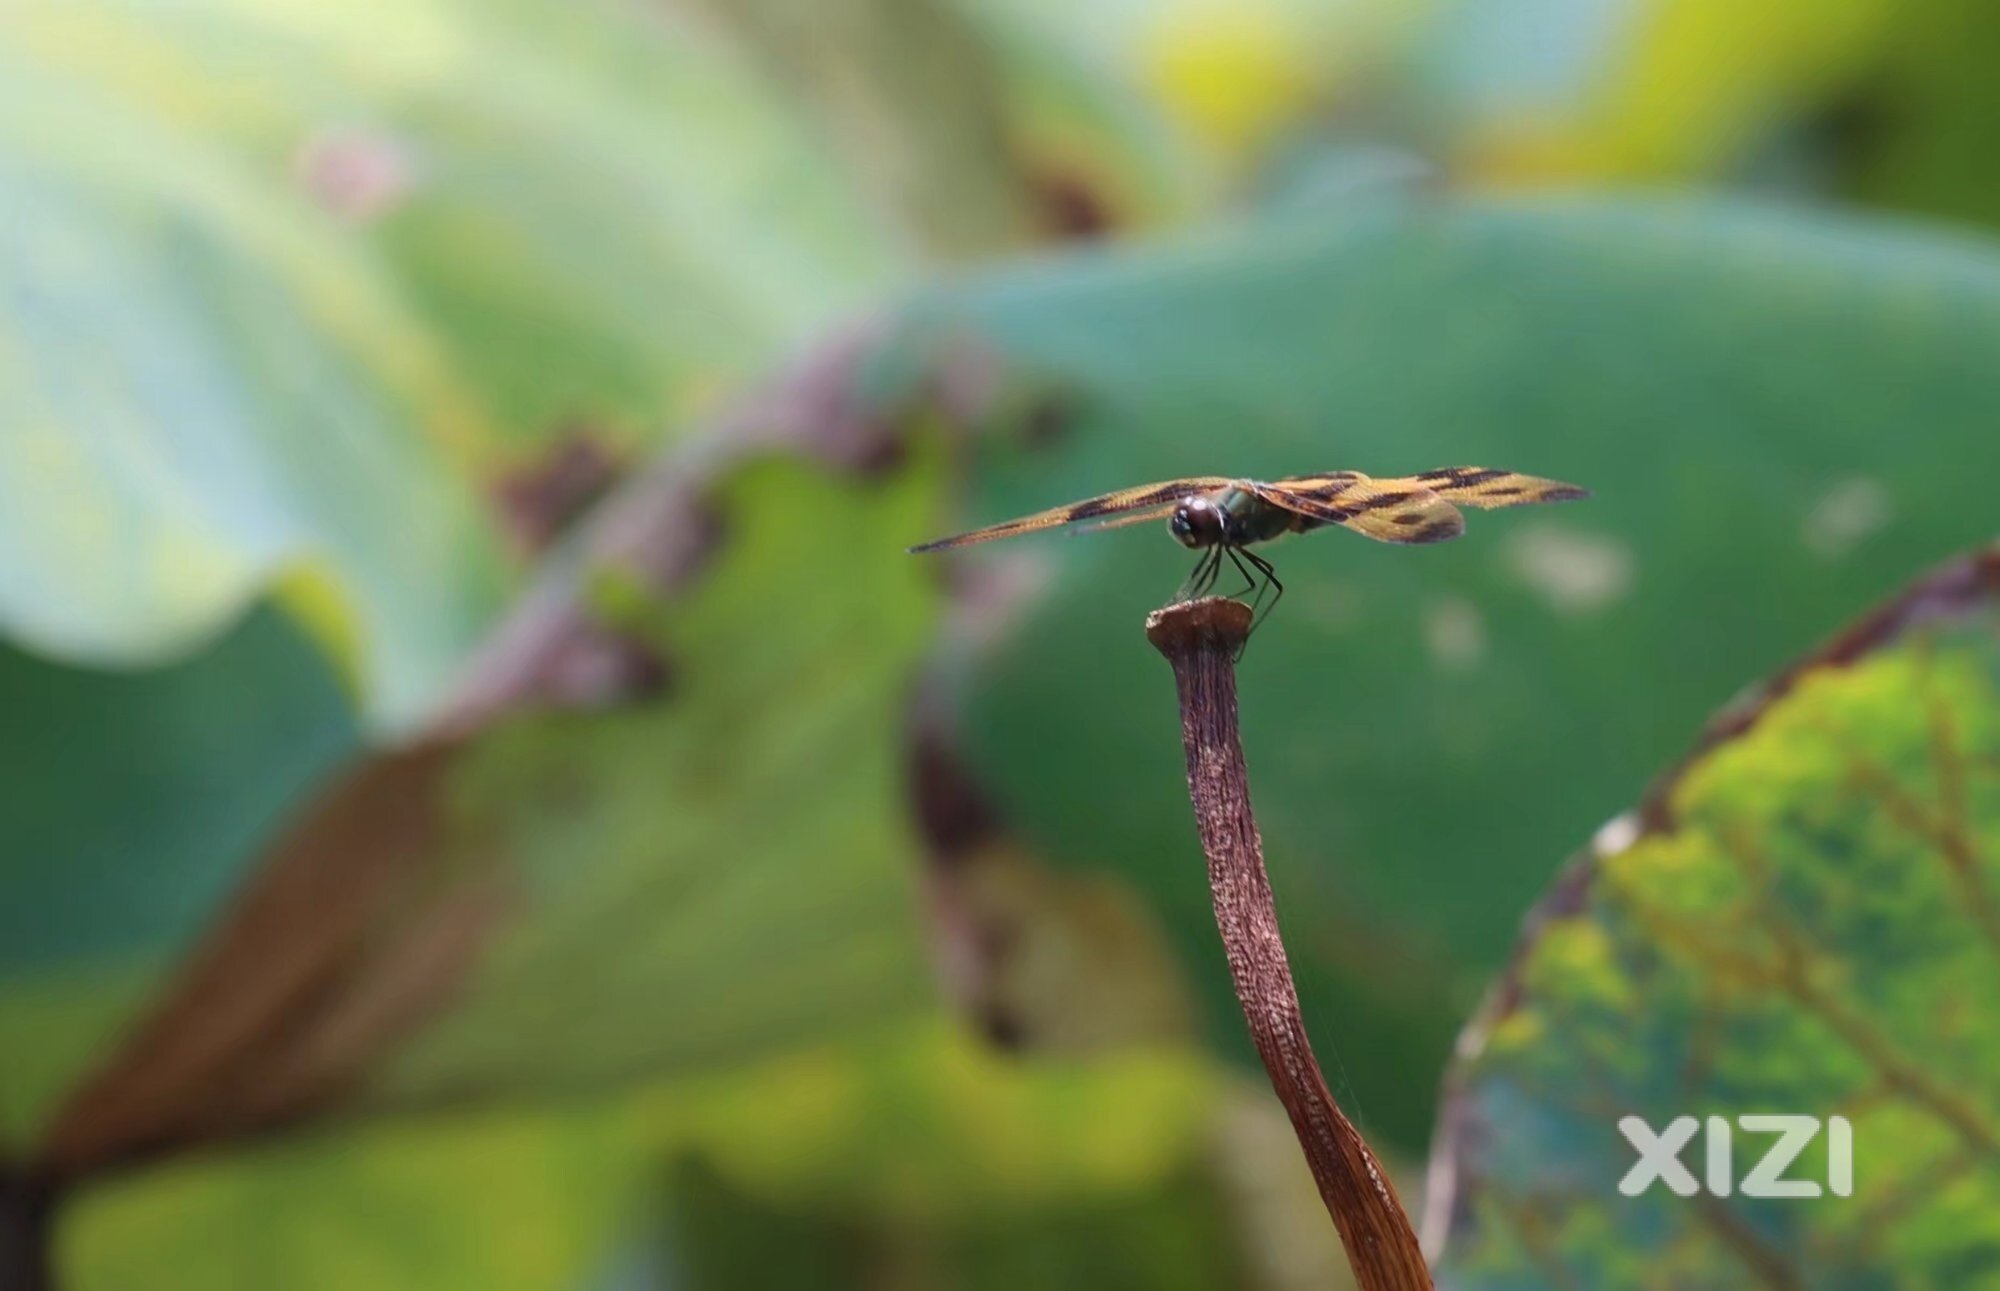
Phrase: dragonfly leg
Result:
[1205,571]
[1271,581]
[1250,583]
[1214,570]
[1189,585]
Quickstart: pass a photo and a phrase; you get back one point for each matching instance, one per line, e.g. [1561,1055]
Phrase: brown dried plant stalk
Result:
[1202,639]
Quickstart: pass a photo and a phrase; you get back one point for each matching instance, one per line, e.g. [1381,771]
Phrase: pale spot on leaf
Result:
[356,174]
[1575,572]
[1335,607]
[1845,516]
[1615,835]
[1455,633]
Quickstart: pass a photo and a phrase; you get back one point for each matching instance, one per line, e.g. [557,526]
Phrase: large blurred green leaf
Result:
[1803,921]
[284,284]
[1775,410]
[183,424]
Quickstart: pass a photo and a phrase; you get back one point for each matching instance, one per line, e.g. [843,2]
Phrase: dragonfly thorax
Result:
[1229,518]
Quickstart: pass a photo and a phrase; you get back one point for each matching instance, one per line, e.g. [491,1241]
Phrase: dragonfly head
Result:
[1197,522]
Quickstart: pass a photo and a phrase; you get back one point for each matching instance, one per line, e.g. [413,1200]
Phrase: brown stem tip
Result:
[1201,639]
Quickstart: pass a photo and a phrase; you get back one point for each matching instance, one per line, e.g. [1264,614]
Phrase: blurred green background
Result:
[486,801]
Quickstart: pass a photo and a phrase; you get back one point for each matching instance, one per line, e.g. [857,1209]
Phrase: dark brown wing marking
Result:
[1144,496]
[1386,510]
[1482,487]
[1321,488]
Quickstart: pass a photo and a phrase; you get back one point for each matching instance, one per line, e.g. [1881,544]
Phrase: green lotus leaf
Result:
[1802,920]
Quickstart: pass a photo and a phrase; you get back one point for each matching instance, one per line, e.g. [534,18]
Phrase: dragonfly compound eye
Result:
[1196,523]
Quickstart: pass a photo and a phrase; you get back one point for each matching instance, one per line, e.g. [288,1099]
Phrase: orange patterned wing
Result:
[1482,487]
[1150,514]
[1157,498]
[1385,510]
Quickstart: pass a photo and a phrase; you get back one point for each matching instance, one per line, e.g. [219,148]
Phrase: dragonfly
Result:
[1223,518]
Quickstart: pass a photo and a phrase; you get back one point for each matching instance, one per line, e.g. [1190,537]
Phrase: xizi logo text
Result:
[1660,1156]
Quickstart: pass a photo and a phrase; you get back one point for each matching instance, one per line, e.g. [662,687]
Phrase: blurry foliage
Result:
[605,896]
[259,718]
[1920,126]
[1806,922]
[309,308]
[911,98]
[1888,102]
[907,1142]
[1175,1236]
[1060,962]
[1688,87]
[1771,408]
[392,244]
[624,955]
[202,758]
[493,1202]
[724,870]
[1096,153]
[932,1127]
[295,281]
[1884,101]
[929,1161]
